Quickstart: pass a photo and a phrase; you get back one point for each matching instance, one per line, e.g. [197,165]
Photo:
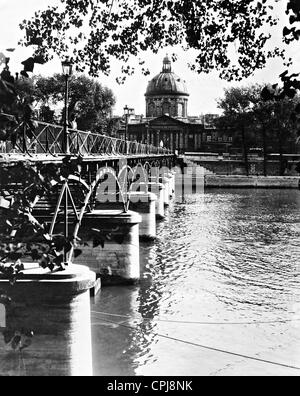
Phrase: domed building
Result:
[167,122]
[166,94]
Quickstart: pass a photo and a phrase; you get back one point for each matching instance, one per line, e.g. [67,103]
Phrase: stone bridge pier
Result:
[45,327]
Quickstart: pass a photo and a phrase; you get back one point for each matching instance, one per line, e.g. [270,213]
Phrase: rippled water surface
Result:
[219,287]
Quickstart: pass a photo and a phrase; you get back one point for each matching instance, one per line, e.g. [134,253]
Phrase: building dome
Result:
[167,82]
[166,93]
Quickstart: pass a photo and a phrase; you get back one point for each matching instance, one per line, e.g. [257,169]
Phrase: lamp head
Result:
[67,67]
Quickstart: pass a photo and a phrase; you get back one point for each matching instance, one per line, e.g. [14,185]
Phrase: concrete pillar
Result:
[173,182]
[47,326]
[141,202]
[117,259]
[165,182]
[169,184]
[171,177]
[144,204]
[158,190]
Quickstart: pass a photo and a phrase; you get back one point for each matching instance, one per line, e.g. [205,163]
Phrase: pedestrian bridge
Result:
[60,187]
[49,140]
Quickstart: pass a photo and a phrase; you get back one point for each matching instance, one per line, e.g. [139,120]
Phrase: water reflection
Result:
[227,257]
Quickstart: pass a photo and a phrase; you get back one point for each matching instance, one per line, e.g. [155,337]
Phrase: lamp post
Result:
[67,72]
[147,136]
[127,112]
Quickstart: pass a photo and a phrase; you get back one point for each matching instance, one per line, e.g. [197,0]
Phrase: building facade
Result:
[167,121]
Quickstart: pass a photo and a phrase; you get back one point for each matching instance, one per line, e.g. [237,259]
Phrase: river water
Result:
[220,292]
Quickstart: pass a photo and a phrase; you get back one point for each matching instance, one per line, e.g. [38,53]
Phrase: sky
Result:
[204,89]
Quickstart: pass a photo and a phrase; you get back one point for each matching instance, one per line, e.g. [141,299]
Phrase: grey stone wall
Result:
[256,168]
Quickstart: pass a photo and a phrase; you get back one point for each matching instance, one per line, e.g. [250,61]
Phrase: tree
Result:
[96,32]
[236,106]
[226,35]
[249,114]
[89,102]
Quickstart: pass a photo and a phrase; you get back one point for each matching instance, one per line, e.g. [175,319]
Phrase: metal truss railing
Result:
[49,139]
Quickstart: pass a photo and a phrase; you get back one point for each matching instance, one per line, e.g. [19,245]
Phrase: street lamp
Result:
[67,72]
[127,112]
[147,136]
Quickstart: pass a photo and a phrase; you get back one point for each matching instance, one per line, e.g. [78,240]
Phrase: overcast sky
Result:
[204,89]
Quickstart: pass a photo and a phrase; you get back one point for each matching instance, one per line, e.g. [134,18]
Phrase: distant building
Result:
[167,118]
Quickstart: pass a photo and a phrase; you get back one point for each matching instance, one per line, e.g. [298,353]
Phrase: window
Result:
[151,109]
[166,108]
[180,109]
[209,138]
[2,316]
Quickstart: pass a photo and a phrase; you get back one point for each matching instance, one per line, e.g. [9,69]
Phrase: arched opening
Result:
[151,109]
[2,316]
[166,108]
[180,110]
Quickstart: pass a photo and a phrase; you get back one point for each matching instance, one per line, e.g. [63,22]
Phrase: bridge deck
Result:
[46,158]
[46,141]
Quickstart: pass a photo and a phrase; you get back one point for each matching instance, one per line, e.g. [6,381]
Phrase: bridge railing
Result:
[49,139]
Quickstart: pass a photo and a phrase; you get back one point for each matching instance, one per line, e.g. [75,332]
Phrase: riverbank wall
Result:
[223,181]
[235,165]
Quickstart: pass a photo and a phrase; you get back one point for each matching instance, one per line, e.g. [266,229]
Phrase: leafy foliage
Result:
[90,104]
[21,234]
[290,81]
[121,30]
[18,107]
[265,120]
[18,339]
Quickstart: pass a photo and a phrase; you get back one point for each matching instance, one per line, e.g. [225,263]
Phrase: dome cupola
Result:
[167,68]
[166,93]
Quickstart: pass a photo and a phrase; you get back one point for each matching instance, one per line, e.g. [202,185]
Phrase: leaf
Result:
[119,239]
[26,343]
[51,267]
[59,260]
[39,59]
[29,333]
[98,240]
[2,58]
[286,31]
[14,256]
[16,341]
[59,242]
[36,41]
[44,261]
[297,108]
[266,94]
[35,255]
[291,93]
[28,65]
[8,336]
[77,253]
[68,246]
[8,222]
[24,74]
